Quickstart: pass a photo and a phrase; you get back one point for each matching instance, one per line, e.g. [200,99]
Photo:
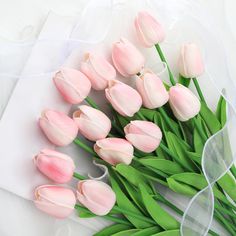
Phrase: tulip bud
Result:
[152,90]
[54,200]
[127,58]
[73,85]
[184,104]
[97,196]
[93,124]
[114,150]
[124,99]
[190,61]
[98,70]
[55,165]
[149,30]
[59,128]
[144,135]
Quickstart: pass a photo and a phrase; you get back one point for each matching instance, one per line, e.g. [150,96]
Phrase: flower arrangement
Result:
[156,134]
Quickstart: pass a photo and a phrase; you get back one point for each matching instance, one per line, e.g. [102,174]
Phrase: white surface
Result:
[16,27]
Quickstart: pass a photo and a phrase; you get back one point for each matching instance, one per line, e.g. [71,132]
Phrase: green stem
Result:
[162,57]
[140,115]
[199,91]
[166,149]
[224,222]
[108,216]
[78,176]
[84,146]
[202,134]
[91,102]
[167,119]
[140,217]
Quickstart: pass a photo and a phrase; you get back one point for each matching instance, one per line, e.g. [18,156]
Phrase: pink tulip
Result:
[55,165]
[144,135]
[149,30]
[152,90]
[55,200]
[184,104]
[190,61]
[97,196]
[59,128]
[126,58]
[98,70]
[73,85]
[93,124]
[124,99]
[114,150]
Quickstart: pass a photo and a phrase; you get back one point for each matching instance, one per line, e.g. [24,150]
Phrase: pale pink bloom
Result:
[114,150]
[55,200]
[149,30]
[98,70]
[73,85]
[59,128]
[152,90]
[127,58]
[190,61]
[93,124]
[124,99]
[97,196]
[144,135]
[56,166]
[184,104]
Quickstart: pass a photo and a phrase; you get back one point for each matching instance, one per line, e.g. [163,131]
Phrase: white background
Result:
[21,20]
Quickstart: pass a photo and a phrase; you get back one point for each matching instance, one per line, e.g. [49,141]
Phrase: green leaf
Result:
[184,81]
[190,183]
[228,183]
[196,157]
[112,229]
[168,233]
[198,142]
[124,203]
[221,111]
[132,175]
[148,113]
[179,148]
[165,166]
[133,193]
[210,118]
[181,188]
[126,232]
[122,120]
[151,175]
[148,231]
[159,215]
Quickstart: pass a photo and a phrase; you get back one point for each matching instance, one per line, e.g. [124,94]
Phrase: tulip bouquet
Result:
[156,134]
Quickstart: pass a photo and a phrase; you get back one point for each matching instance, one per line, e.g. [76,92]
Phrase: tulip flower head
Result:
[152,90]
[184,104]
[73,85]
[127,58]
[124,99]
[144,135]
[97,196]
[93,124]
[114,150]
[190,61]
[98,70]
[54,200]
[59,128]
[149,30]
[57,166]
